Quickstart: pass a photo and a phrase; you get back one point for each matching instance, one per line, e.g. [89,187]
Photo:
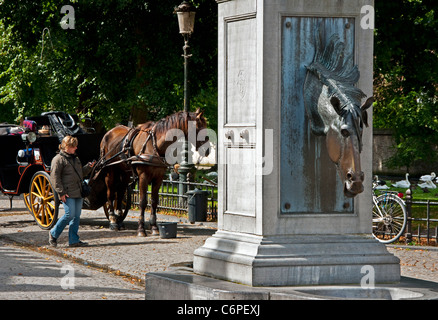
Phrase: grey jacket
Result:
[64,178]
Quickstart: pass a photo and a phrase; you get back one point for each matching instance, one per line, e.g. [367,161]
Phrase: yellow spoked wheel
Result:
[43,200]
[26,201]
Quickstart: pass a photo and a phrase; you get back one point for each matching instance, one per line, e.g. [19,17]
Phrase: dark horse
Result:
[333,105]
[140,152]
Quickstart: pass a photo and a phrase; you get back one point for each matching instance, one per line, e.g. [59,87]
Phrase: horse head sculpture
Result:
[333,105]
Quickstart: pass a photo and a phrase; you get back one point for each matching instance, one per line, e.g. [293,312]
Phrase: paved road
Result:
[417,262]
[30,275]
[125,255]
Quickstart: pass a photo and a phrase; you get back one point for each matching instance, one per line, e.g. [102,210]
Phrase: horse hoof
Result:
[155,232]
[121,226]
[141,234]
[114,227]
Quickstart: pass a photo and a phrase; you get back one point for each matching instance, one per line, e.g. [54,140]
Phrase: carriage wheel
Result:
[26,201]
[126,205]
[43,201]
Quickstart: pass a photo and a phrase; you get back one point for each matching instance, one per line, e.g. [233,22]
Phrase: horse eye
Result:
[345,132]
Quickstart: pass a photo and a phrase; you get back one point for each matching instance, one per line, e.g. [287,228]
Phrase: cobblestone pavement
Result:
[120,257]
[122,253]
[417,262]
[30,275]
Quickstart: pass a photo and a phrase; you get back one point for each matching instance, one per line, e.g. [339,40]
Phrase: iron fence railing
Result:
[170,199]
[429,232]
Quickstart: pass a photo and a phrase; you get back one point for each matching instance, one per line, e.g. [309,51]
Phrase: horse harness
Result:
[126,152]
[149,159]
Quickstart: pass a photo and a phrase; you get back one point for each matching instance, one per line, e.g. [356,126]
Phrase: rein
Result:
[143,158]
[126,149]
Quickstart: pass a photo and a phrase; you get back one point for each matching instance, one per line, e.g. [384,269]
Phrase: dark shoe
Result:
[78,244]
[52,241]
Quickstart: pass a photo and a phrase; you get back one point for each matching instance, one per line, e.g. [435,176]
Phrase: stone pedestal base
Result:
[183,284]
[295,260]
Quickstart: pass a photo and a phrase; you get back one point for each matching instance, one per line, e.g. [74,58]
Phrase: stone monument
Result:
[294,192]
[284,218]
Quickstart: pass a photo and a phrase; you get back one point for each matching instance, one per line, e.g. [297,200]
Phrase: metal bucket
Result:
[167,229]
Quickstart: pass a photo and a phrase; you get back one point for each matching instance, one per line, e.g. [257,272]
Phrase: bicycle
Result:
[389,215]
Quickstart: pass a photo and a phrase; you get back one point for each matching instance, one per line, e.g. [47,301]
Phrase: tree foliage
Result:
[123,58]
[406,77]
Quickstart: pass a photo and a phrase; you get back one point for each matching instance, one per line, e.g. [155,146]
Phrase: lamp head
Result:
[186,17]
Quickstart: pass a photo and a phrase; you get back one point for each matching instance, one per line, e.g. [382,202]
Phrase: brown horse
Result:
[127,153]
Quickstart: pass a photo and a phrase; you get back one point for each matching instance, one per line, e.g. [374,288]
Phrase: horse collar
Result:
[151,135]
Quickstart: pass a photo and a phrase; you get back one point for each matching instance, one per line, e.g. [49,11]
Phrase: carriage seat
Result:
[63,123]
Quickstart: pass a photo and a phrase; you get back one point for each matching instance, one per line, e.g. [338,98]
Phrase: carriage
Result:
[27,154]
[125,155]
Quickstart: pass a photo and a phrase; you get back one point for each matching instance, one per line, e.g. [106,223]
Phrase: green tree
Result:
[406,77]
[122,58]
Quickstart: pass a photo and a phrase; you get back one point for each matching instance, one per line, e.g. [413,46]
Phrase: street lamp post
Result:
[186,20]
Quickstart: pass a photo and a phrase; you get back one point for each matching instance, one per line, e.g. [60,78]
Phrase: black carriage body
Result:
[25,167]
[16,172]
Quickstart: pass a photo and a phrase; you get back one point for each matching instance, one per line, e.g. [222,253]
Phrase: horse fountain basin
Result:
[339,292]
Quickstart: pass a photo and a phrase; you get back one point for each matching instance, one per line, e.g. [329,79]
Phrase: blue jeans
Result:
[73,209]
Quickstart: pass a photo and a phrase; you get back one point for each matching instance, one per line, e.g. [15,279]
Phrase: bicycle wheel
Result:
[389,218]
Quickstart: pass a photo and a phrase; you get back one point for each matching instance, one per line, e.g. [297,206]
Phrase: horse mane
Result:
[336,71]
[146,125]
[339,74]
[176,120]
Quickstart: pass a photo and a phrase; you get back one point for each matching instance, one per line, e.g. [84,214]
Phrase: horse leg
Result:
[121,190]
[109,181]
[143,186]
[154,202]
[119,209]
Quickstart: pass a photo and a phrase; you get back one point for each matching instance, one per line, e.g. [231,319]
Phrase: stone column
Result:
[282,217]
